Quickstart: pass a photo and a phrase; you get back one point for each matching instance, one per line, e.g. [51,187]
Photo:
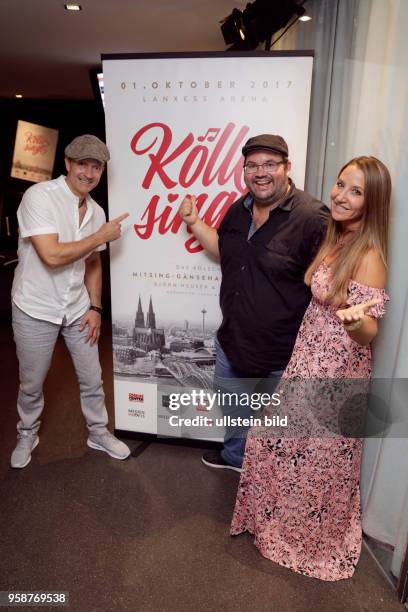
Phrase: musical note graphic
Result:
[208,135]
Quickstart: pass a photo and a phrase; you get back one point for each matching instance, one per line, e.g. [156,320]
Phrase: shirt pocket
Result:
[281,259]
[231,243]
[278,246]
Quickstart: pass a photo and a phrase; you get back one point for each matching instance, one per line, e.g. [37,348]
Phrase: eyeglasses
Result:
[270,167]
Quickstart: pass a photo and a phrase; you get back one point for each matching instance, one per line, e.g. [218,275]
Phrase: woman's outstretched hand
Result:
[355,314]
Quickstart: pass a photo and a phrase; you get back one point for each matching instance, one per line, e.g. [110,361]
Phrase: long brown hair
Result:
[371,234]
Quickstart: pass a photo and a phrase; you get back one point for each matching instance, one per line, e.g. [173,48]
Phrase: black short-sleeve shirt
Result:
[263,296]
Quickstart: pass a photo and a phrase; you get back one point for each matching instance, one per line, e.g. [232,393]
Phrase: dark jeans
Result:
[227,380]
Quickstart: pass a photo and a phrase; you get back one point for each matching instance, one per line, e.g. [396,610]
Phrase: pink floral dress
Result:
[300,495]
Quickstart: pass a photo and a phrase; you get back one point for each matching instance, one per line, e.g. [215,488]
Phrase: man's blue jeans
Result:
[227,380]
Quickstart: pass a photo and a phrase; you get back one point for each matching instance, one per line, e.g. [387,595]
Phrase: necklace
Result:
[344,239]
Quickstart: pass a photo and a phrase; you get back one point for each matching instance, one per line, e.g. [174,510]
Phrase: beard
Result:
[268,192]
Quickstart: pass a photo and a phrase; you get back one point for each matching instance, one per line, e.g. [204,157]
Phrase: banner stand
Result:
[175,126]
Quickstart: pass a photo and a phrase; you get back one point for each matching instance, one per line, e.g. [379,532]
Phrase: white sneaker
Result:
[107,442]
[21,455]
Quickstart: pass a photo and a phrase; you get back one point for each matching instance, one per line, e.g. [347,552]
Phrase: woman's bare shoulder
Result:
[372,271]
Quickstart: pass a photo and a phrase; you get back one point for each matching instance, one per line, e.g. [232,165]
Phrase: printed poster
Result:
[34,152]
[175,126]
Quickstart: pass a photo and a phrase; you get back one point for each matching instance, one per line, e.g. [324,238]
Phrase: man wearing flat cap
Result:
[57,289]
[265,243]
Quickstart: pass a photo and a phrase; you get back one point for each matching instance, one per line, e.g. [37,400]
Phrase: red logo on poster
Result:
[35,143]
[136,397]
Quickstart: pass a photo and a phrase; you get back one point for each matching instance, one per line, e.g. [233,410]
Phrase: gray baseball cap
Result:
[87,146]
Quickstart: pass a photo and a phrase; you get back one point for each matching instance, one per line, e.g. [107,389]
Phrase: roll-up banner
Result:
[175,126]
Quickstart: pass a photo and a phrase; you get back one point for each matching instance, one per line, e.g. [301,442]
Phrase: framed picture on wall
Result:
[34,152]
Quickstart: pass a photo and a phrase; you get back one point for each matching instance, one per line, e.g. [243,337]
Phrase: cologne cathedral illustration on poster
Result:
[183,353]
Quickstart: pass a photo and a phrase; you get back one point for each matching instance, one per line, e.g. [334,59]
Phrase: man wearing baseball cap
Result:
[265,243]
[57,289]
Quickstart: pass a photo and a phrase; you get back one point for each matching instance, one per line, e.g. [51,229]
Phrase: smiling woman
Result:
[358,230]
[348,197]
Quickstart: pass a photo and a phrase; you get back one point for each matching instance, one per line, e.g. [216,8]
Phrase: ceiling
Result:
[46,51]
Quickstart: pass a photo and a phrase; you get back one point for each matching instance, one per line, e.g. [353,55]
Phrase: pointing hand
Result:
[112,229]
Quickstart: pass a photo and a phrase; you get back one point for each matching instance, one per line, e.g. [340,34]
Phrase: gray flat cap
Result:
[87,146]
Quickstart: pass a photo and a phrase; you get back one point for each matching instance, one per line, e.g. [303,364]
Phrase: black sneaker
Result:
[213,459]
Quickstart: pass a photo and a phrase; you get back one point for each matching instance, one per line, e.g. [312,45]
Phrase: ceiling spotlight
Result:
[232,28]
[73,7]
[256,24]
[305,18]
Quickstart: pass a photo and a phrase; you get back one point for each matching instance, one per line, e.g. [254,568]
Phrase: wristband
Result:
[353,326]
[96,309]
